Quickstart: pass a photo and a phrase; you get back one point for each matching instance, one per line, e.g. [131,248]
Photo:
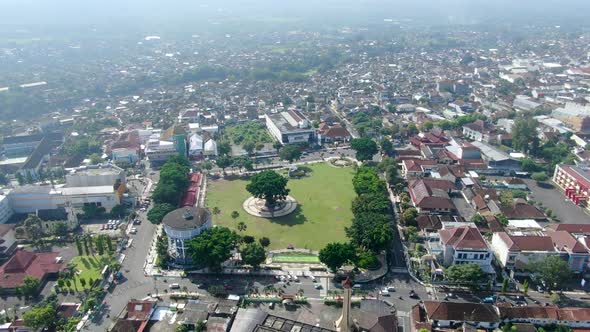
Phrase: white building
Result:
[516,252]
[210,148]
[290,127]
[159,151]
[195,147]
[464,245]
[95,175]
[181,225]
[29,199]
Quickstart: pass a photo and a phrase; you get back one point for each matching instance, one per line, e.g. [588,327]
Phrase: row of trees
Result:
[97,245]
[173,181]
[371,230]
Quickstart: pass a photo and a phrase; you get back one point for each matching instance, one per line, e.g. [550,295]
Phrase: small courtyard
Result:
[324,197]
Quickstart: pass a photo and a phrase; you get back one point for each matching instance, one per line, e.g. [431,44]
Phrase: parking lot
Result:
[552,198]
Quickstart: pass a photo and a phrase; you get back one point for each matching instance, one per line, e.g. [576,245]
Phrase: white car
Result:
[391,289]
[142,209]
[317,286]
[384,292]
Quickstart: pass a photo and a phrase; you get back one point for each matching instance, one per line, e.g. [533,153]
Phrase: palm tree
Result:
[83,282]
[242,226]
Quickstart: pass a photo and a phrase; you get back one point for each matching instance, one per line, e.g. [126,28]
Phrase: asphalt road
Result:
[134,284]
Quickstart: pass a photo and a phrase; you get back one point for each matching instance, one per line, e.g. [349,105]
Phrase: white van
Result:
[357,286]
[174,286]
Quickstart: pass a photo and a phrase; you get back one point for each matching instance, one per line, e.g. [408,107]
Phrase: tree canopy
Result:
[367,181]
[43,315]
[553,270]
[371,203]
[465,273]
[268,185]
[213,247]
[290,153]
[173,181]
[253,254]
[365,148]
[372,231]
[158,211]
[336,254]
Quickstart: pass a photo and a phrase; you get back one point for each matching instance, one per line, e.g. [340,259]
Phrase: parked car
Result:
[174,286]
[391,289]
[357,286]
[103,227]
[137,222]
[384,292]
[317,286]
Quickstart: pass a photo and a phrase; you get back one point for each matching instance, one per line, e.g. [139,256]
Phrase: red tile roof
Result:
[456,311]
[527,243]
[523,211]
[25,263]
[431,194]
[564,241]
[415,165]
[572,228]
[464,237]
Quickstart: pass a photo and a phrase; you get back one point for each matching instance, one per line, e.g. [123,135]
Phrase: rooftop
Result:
[290,121]
[186,218]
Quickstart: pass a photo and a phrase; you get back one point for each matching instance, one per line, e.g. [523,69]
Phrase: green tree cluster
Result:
[553,270]
[336,254]
[365,148]
[371,227]
[268,185]
[173,181]
[460,121]
[465,273]
[158,211]
[213,247]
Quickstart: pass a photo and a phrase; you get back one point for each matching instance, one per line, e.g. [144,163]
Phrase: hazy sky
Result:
[101,11]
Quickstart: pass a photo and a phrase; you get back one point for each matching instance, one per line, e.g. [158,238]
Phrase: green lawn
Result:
[247,132]
[89,267]
[295,259]
[324,200]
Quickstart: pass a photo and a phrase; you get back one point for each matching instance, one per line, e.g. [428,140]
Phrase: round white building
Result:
[181,225]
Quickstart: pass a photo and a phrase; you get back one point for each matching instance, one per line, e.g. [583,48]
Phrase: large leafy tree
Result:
[213,247]
[253,254]
[367,181]
[224,162]
[336,254]
[44,315]
[290,153]
[386,146]
[270,186]
[29,287]
[157,213]
[524,135]
[553,270]
[166,193]
[365,148]
[372,231]
[33,227]
[224,148]
[371,203]
[465,273]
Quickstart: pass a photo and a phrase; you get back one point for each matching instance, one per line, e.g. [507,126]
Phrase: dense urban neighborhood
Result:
[373,177]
